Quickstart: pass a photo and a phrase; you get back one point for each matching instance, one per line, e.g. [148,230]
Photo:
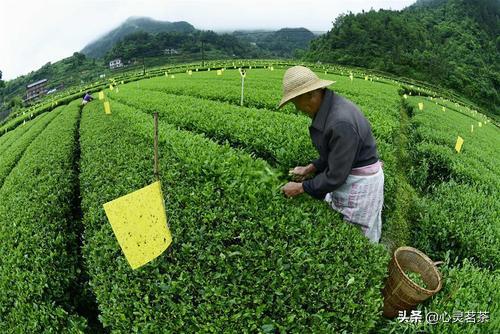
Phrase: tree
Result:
[2,84]
[77,59]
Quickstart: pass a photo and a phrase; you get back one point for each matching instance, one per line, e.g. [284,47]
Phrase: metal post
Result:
[157,176]
[242,87]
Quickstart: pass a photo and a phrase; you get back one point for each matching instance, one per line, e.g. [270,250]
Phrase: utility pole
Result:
[202,54]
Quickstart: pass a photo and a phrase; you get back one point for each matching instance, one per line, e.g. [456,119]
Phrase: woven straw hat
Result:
[299,80]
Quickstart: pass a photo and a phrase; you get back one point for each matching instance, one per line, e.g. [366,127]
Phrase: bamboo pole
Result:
[157,176]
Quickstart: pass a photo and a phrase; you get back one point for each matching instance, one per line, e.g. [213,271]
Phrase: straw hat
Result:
[299,80]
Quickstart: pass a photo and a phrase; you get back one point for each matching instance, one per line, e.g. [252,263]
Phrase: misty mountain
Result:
[99,47]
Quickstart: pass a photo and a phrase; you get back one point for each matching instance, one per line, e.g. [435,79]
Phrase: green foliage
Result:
[452,43]
[262,133]
[459,211]
[68,72]
[143,44]
[12,150]
[462,220]
[243,258]
[284,42]
[37,252]
[266,133]
[100,47]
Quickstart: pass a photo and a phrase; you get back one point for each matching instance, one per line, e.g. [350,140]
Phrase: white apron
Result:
[360,201]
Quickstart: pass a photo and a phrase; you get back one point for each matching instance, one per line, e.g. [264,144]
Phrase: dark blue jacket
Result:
[343,139]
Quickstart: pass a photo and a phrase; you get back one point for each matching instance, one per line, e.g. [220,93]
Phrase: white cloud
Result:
[33,33]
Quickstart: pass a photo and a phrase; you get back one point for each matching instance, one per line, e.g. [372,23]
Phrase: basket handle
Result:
[437,263]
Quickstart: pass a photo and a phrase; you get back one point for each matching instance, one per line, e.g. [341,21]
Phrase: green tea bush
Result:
[14,151]
[243,258]
[462,220]
[38,248]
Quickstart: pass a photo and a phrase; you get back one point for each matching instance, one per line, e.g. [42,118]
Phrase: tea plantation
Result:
[244,259]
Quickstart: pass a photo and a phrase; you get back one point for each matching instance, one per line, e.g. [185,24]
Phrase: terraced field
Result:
[243,257]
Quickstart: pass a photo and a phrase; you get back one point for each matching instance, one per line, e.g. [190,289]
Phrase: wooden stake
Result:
[157,176]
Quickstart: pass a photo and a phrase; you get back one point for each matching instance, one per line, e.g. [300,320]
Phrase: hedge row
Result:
[281,139]
[278,138]
[435,159]
[459,211]
[38,248]
[13,152]
[243,257]
[463,220]
[10,137]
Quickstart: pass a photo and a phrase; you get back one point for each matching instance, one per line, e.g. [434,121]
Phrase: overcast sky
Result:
[35,32]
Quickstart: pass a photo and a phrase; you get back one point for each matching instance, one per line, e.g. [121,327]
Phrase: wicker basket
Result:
[400,292]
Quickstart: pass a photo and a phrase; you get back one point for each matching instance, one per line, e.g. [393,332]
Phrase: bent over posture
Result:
[348,173]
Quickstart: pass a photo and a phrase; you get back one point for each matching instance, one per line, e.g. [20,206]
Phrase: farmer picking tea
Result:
[348,174]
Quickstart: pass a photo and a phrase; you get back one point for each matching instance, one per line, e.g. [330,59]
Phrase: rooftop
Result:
[36,83]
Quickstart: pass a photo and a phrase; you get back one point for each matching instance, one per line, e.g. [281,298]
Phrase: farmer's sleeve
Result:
[320,164]
[343,147]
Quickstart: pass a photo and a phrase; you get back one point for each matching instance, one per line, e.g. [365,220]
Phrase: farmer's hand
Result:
[299,173]
[292,189]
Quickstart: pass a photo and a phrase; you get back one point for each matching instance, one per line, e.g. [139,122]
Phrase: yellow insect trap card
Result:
[107,108]
[139,222]
[101,95]
[458,145]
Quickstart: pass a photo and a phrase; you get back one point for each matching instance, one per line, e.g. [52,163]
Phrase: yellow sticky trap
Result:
[110,87]
[444,109]
[480,124]
[208,69]
[190,72]
[472,128]
[405,96]
[219,72]
[122,82]
[101,95]
[420,106]
[366,78]
[272,68]
[166,74]
[172,76]
[139,222]
[107,108]
[458,145]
